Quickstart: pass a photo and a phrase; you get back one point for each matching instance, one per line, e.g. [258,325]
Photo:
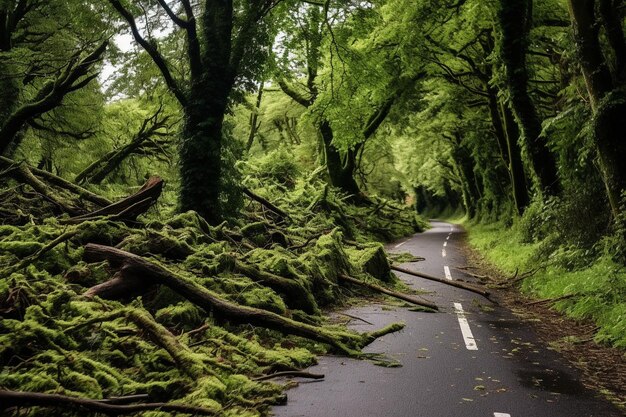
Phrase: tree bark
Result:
[608,101]
[515,22]
[341,173]
[519,187]
[254,118]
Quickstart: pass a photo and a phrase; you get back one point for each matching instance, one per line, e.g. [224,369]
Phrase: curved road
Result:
[472,359]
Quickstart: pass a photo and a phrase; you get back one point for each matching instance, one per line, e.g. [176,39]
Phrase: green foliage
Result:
[595,284]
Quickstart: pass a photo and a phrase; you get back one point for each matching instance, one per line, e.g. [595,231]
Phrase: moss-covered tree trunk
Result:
[215,51]
[516,165]
[212,79]
[340,172]
[605,89]
[507,135]
[515,18]
[200,161]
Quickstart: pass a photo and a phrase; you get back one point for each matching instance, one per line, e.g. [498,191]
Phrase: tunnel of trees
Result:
[233,161]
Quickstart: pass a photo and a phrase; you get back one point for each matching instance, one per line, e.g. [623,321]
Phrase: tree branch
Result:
[50,96]
[177,20]
[10,399]
[152,50]
[295,95]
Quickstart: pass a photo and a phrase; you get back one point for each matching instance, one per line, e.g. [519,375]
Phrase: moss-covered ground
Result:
[54,339]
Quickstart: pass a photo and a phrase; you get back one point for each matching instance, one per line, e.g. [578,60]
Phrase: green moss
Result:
[371,259]
[263,298]
[20,249]
[52,339]
[181,313]
[209,392]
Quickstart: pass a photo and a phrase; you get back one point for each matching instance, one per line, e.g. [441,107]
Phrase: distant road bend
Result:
[472,359]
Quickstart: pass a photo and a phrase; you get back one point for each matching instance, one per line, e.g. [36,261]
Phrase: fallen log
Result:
[151,273]
[9,399]
[120,286]
[128,208]
[182,355]
[456,284]
[389,292]
[61,183]
[70,186]
[23,174]
[127,399]
[264,202]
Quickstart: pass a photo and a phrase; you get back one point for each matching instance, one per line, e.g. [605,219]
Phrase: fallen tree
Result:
[140,271]
[47,184]
[452,283]
[144,142]
[219,306]
[128,208]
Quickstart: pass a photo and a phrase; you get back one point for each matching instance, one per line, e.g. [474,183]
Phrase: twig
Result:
[356,318]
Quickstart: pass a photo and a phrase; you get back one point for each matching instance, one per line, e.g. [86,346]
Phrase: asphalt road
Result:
[471,359]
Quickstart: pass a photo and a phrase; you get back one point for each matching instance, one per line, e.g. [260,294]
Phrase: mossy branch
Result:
[212,303]
[10,399]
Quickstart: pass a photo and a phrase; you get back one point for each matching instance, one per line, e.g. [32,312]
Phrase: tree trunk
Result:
[152,273]
[200,159]
[515,23]
[341,173]
[607,101]
[254,118]
[516,165]
[465,165]
[612,17]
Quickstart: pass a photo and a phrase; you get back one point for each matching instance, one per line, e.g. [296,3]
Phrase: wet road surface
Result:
[471,359]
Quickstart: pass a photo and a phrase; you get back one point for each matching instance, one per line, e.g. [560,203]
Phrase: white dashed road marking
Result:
[468,337]
[446,271]
[445,244]
[501,415]
[448,238]
[400,244]
[443,253]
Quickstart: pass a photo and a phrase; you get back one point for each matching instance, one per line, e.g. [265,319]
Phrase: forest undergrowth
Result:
[565,259]
[237,303]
